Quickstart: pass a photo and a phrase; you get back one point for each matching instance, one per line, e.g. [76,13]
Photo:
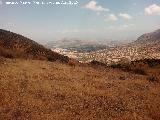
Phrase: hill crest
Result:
[21,47]
[150,37]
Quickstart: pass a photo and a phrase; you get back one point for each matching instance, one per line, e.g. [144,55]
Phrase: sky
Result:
[84,19]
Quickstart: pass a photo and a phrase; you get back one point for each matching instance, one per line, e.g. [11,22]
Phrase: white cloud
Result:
[92,5]
[127,25]
[112,17]
[1,2]
[122,27]
[152,10]
[125,16]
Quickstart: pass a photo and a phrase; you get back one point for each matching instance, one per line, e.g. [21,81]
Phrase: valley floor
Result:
[41,90]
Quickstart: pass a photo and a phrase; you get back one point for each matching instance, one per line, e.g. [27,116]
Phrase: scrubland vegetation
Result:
[42,90]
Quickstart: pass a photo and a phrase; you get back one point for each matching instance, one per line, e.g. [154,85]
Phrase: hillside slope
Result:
[150,37]
[41,90]
[15,45]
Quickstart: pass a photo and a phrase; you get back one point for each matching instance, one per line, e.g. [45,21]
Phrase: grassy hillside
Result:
[13,45]
[41,90]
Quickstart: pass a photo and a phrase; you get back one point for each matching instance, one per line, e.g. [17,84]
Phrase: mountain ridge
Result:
[20,46]
[149,37]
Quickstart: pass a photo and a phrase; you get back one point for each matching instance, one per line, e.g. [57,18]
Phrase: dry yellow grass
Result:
[41,90]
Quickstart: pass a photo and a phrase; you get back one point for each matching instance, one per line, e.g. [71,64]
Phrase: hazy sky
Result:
[88,20]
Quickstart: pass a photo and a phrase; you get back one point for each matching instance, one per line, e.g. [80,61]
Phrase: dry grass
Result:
[13,45]
[6,53]
[41,90]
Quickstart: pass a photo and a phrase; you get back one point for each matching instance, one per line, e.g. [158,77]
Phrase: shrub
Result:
[139,71]
[153,62]
[152,79]
[6,53]
[116,66]
[150,62]
[124,67]
[72,64]
[129,68]
[94,62]
[50,58]
[122,78]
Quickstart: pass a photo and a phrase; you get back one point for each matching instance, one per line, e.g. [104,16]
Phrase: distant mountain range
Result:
[76,45]
[146,46]
[15,45]
[150,37]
